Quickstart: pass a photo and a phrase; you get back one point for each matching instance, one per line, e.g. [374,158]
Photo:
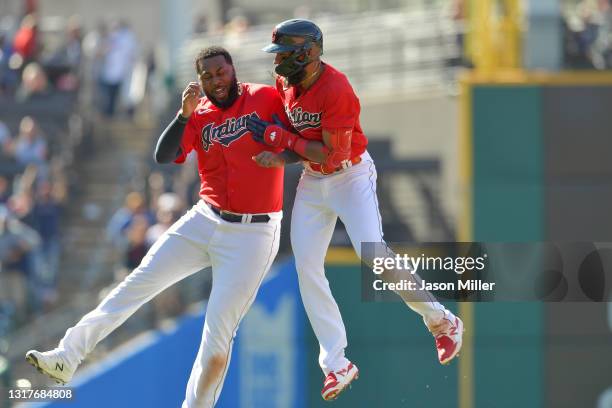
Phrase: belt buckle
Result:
[324,172]
[345,164]
[309,165]
[244,218]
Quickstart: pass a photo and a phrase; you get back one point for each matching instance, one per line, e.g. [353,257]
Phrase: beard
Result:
[232,95]
[296,78]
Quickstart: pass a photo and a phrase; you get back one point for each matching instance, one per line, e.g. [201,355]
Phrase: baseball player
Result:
[339,180]
[234,228]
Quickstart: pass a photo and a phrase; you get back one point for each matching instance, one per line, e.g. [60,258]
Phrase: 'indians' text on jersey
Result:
[330,103]
[230,178]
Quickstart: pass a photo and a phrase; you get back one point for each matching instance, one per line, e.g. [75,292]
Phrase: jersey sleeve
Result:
[188,140]
[340,109]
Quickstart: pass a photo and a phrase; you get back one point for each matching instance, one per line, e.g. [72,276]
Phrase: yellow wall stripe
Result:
[518,77]
[465,234]
[341,256]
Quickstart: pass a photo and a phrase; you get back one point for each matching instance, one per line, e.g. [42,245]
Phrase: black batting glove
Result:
[257,127]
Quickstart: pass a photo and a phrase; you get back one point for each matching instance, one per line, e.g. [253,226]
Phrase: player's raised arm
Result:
[274,135]
[169,144]
[335,149]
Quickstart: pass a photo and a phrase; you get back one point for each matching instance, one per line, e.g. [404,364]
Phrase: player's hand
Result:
[269,159]
[258,127]
[271,134]
[190,99]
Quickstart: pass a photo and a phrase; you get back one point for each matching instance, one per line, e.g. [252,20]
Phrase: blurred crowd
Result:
[33,61]
[33,190]
[27,67]
[133,229]
[97,67]
[145,215]
[587,35]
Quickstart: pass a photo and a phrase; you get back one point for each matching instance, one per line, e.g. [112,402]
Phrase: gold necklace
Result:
[316,71]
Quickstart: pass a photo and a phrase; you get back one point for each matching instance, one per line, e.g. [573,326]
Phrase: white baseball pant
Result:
[240,255]
[351,195]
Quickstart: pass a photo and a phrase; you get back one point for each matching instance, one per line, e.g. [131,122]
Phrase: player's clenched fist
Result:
[269,159]
[191,98]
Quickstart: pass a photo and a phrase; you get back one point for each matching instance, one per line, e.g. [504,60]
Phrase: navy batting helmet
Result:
[281,36]
[296,36]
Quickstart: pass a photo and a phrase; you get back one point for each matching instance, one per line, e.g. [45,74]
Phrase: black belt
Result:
[235,217]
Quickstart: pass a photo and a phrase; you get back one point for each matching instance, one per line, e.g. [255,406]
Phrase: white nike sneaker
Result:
[448,333]
[336,381]
[53,364]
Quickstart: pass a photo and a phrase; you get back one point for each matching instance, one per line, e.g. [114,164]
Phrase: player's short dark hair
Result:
[210,52]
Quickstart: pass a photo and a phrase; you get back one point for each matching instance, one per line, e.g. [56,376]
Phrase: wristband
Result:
[300,146]
[182,119]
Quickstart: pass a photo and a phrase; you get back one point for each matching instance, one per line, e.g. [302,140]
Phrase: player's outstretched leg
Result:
[337,381]
[448,333]
[312,226]
[157,271]
[53,364]
[238,271]
[362,220]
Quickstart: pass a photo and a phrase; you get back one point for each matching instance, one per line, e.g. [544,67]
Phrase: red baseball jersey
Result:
[330,103]
[230,178]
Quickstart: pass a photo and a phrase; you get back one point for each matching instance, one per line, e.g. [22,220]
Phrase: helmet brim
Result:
[276,48]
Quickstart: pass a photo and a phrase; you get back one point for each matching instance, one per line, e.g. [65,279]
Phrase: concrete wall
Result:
[419,126]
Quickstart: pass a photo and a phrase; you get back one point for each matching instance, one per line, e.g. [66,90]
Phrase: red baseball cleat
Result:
[336,381]
[449,336]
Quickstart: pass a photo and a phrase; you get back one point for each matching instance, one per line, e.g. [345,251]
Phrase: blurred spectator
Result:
[5,141]
[575,55]
[26,39]
[156,186]
[9,77]
[186,182]
[17,240]
[20,204]
[580,30]
[30,6]
[95,45]
[137,244]
[236,28]
[169,209]
[601,50]
[122,219]
[46,218]
[63,67]
[31,146]
[119,60]
[200,25]
[5,190]
[459,16]
[33,82]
